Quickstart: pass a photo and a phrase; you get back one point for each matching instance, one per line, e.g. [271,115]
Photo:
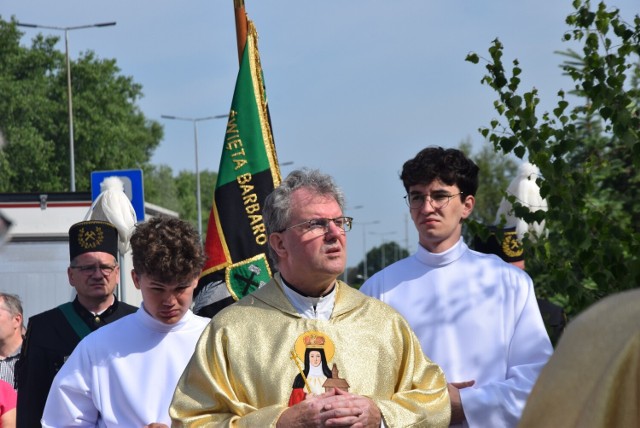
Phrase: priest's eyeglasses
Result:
[106,270]
[321,225]
[438,200]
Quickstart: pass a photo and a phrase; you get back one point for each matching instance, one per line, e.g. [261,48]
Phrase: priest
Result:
[246,363]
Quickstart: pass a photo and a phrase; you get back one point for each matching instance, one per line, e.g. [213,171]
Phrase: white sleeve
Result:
[372,287]
[70,402]
[501,403]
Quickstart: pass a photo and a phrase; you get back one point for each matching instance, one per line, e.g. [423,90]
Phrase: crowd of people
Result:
[449,336]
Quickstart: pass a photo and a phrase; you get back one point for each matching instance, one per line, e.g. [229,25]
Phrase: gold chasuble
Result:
[259,356]
[593,378]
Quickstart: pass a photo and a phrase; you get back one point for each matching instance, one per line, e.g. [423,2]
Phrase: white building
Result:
[34,260]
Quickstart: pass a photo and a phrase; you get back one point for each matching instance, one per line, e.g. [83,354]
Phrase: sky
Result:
[355,87]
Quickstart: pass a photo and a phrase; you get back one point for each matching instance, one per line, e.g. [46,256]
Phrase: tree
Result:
[186,185]
[160,187]
[590,179]
[377,259]
[208,181]
[26,111]
[496,172]
[110,131]
[179,193]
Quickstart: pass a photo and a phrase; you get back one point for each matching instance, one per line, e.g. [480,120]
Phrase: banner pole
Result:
[241,26]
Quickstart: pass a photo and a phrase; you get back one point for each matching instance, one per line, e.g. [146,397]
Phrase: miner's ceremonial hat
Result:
[93,236]
[508,248]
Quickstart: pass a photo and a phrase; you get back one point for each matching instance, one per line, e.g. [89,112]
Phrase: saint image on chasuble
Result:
[314,349]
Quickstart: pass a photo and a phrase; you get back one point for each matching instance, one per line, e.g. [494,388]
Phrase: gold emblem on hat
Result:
[511,246]
[90,238]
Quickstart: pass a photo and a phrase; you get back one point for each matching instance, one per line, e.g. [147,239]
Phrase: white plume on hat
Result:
[113,205]
[527,193]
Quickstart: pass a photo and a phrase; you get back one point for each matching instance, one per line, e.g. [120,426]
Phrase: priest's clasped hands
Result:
[335,408]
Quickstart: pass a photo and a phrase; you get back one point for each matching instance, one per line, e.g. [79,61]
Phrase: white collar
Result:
[311,307]
[444,258]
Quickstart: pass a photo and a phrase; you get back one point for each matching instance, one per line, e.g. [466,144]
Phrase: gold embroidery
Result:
[90,238]
[511,246]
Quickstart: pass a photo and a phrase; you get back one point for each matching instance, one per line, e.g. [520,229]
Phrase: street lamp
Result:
[382,235]
[364,245]
[195,121]
[66,30]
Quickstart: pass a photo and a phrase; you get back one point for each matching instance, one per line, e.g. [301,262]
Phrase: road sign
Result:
[133,187]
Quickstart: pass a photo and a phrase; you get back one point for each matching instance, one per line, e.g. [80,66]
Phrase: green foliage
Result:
[496,172]
[208,185]
[186,185]
[160,187]
[179,193]
[588,155]
[110,132]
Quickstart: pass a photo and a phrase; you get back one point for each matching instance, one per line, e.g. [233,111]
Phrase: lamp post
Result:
[72,162]
[382,235]
[195,121]
[364,246]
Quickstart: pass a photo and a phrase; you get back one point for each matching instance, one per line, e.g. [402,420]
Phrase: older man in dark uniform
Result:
[54,334]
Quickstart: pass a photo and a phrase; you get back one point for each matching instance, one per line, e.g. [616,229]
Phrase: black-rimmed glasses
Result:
[437,200]
[106,270]
[321,225]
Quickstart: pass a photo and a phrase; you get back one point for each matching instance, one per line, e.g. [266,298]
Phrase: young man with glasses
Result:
[306,349]
[474,314]
[52,335]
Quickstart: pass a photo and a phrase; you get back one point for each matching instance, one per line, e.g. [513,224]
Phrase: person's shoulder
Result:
[118,311]
[381,307]
[622,305]
[237,311]
[110,336]
[266,301]
[378,283]
[46,317]
[494,263]
[126,308]
[118,325]
[372,310]
[363,300]
[487,258]
[398,264]
[199,321]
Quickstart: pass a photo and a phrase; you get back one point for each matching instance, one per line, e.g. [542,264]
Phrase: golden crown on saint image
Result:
[314,340]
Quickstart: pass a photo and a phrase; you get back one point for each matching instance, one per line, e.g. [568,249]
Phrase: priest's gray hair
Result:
[276,211]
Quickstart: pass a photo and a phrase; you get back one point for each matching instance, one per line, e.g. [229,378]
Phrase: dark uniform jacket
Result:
[49,341]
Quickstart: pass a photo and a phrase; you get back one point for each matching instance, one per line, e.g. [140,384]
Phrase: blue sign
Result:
[133,188]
